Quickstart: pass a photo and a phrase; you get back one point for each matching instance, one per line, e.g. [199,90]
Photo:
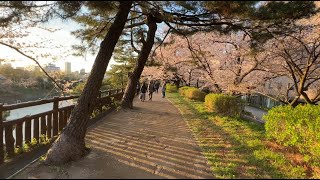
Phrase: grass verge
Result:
[237,148]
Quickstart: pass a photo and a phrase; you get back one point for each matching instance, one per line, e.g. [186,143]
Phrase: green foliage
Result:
[26,147]
[78,89]
[280,10]
[16,11]
[238,149]
[256,10]
[118,74]
[18,150]
[171,88]
[69,8]
[297,127]
[44,139]
[232,8]
[224,104]
[183,89]
[95,113]
[33,142]
[194,93]
[43,158]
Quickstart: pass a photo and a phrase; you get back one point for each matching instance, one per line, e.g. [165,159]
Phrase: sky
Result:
[60,37]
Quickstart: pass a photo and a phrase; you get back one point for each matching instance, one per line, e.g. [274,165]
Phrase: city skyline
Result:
[48,67]
[59,56]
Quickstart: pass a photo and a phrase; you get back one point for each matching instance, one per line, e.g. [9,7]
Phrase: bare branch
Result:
[134,25]
[33,59]
[154,51]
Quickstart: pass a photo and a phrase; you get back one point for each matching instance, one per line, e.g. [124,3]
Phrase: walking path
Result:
[150,141]
[258,113]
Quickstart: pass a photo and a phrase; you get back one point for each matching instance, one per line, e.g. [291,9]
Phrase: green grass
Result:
[235,148]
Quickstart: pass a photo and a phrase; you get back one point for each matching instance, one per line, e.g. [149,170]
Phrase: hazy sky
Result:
[60,37]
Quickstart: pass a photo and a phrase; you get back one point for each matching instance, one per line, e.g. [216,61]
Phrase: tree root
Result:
[65,149]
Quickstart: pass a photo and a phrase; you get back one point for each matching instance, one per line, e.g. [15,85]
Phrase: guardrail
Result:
[18,132]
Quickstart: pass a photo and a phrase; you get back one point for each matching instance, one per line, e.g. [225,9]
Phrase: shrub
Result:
[224,104]
[182,90]
[297,127]
[171,88]
[194,93]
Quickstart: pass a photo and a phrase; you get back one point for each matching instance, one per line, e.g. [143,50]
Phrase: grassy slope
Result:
[236,148]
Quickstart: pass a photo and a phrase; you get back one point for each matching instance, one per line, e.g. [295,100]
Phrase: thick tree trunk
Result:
[70,145]
[129,93]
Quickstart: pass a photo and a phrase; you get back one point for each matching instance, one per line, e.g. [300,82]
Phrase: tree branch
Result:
[33,59]
[154,51]
[135,25]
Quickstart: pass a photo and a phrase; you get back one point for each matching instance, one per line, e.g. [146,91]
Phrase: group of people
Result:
[152,86]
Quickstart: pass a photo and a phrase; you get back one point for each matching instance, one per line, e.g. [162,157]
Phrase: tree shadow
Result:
[229,157]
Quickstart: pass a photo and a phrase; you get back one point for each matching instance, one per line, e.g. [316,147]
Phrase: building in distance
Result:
[67,67]
[52,68]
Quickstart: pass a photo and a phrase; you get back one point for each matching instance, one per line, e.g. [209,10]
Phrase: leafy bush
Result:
[194,93]
[182,90]
[297,127]
[224,104]
[171,88]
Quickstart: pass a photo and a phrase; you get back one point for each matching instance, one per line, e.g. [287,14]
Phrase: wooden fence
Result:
[15,133]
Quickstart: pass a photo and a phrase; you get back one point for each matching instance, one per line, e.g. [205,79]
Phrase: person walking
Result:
[156,86]
[151,89]
[163,89]
[143,91]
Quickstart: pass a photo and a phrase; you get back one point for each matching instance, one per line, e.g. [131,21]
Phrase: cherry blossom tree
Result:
[226,61]
[296,57]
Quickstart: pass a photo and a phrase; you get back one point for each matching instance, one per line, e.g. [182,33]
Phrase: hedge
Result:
[182,90]
[224,104]
[171,88]
[297,127]
[194,93]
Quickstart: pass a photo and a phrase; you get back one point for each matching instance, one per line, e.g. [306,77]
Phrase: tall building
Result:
[67,68]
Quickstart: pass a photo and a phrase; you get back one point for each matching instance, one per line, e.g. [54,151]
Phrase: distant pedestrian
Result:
[163,89]
[143,91]
[156,86]
[150,89]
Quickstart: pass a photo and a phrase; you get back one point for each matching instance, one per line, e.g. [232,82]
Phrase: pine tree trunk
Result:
[133,78]
[70,145]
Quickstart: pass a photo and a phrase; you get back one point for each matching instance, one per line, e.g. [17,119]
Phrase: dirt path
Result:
[150,141]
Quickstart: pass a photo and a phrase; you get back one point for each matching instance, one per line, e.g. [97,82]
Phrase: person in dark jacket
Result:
[151,89]
[143,91]
[156,86]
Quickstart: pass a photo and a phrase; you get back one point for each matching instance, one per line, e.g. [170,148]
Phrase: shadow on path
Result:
[150,141]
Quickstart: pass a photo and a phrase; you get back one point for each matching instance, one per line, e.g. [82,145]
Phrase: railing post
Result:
[1,136]
[55,116]
[43,128]
[9,140]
